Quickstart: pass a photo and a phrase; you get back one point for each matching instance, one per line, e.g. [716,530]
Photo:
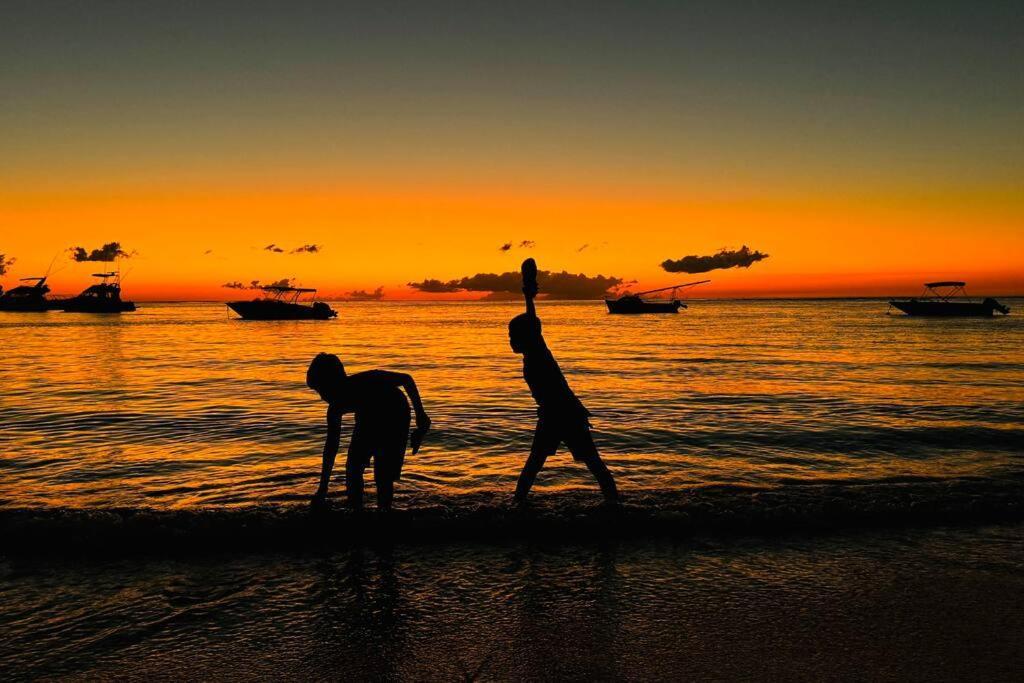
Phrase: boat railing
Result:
[289,294]
[673,288]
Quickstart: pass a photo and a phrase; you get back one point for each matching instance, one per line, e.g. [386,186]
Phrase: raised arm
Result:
[330,453]
[530,288]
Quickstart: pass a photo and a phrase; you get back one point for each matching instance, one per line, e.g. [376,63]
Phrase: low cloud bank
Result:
[363,295]
[563,285]
[256,284]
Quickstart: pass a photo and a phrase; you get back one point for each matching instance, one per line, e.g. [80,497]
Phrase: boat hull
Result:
[281,310]
[631,307]
[18,306]
[945,309]
[89,305]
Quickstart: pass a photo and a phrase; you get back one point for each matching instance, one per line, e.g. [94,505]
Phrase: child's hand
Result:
[416,437]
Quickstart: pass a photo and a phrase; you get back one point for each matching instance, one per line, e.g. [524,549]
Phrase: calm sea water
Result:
[181,405]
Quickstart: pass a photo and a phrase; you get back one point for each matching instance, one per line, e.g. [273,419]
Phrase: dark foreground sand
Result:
[920,604]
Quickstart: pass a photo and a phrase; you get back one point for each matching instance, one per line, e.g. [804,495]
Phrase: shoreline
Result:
[489,517]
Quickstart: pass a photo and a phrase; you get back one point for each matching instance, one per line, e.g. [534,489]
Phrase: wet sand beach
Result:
[923,604]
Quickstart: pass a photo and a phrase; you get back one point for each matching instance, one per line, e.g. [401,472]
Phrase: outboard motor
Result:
[994,305]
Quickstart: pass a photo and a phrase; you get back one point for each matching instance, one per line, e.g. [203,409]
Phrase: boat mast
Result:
[664,289]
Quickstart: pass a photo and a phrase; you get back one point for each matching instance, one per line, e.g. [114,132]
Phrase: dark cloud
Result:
[562,285]
[108,252]
[726,258]
[303,249]
[5,263]
[436,286]
[582,248]
[363,295]
[256,284]
[524,244]
[207,252]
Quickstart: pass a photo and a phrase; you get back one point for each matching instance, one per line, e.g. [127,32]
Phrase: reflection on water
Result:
[181,404]
[936,605]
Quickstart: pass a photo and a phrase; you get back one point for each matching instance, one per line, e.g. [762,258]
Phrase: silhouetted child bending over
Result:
[561,417]
[381,425]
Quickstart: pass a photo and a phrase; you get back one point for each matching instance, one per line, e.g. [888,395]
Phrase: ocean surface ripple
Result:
[181,406]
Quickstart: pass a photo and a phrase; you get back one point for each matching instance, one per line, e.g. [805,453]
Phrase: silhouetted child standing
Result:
[381,425]
[561,417]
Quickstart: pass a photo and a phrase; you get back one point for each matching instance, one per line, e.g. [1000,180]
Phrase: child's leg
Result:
[581,444]
[354,482]
[545,442]
[385,488]
[355,463]
[392,438]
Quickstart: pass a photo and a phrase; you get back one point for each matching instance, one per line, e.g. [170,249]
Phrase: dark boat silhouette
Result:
[282,303]
[103,297]
[635,303]
[28,298]
[948,299]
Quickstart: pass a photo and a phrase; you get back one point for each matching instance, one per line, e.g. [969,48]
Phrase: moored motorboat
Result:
[103,297]
[635,303]
[948,299]
[28,298]
[282,303]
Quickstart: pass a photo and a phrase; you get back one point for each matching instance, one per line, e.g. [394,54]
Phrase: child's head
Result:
[524,333]
[325,371]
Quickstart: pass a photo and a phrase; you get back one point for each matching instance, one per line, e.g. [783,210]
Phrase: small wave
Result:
[488,517]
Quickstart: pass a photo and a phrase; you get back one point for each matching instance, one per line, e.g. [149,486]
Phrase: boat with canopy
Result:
[948,299]
[282,303]
[635,303]
[102,297]
[28,297]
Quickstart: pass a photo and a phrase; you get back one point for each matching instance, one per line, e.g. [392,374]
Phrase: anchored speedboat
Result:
[282,303]
[948,299]
[103,297]
[28,298]
[635,303]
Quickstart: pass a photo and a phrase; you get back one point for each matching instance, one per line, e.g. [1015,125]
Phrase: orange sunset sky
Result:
[864,154]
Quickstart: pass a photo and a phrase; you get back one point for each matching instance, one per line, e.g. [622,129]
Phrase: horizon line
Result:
[512,301]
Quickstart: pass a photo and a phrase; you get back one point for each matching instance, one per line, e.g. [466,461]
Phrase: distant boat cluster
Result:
[940,299]
[102,297]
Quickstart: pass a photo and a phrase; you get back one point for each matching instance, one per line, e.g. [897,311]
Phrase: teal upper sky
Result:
[667,87]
